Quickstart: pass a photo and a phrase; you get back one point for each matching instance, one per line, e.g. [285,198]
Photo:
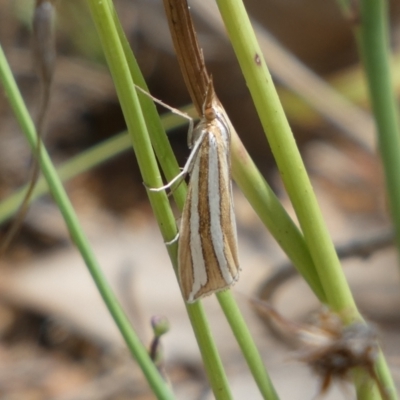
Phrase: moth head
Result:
[210,114]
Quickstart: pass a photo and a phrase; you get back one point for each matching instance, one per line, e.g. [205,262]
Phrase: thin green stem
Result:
[274,216]
[213,365]
[139,352]
[247,345]
[287,156]
[373,37]
[116,54]
[157,135]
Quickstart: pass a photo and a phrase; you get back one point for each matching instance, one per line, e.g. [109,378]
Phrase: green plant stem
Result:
[213,365]
[385,377]
[139,352]
[287,156]
[247,345]
[156,132]
[373,38]
[103,18]
[274,216]
[106,23]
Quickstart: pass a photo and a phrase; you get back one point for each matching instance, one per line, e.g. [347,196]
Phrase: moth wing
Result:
[227,217]
[207,254]
[185,265]
[192,272]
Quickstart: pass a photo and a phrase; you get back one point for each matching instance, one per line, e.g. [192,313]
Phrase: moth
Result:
[207,245]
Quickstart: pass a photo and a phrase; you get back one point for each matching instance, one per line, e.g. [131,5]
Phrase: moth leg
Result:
[178,179]
[187,169]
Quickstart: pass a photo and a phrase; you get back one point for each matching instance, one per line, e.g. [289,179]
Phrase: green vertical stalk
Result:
[287,156]
[247,345]
[138,351]
[373,39]
[115,50]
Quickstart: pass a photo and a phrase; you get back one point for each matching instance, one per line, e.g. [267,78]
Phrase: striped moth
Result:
[207,246]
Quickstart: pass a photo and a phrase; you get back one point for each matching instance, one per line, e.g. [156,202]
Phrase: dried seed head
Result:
[335,354]
[332,349]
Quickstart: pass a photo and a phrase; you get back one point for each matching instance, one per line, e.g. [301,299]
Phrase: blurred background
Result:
[57,340]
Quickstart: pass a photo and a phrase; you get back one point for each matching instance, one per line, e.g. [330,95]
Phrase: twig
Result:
[44,58]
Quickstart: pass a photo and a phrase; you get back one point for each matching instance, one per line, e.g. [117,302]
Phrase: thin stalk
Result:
[159,140]
[105,19]
[138,351]
[209,352]
[274,216]
[247,345]
[373,38]
[287,156]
